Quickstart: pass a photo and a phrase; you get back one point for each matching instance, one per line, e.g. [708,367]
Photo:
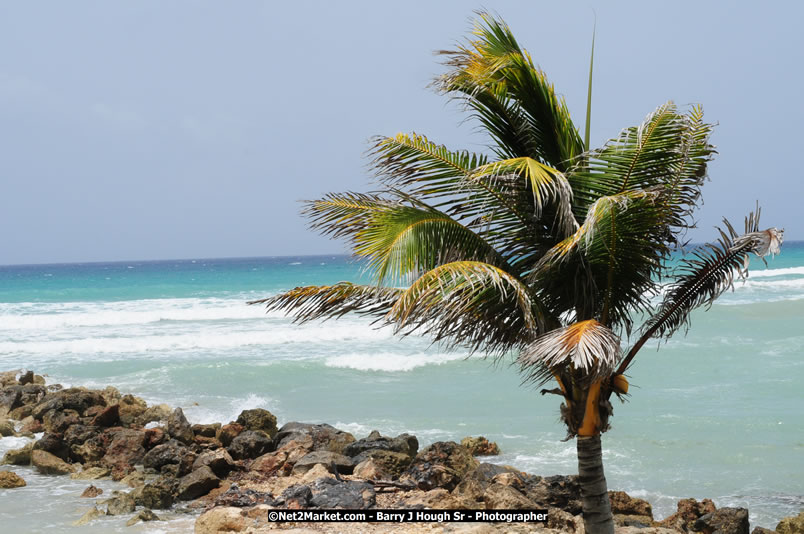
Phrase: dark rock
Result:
[258,419]
[198,483]
[26,378]
[92,449]
[282,460]
[637,521]
[441,465]
[475,482]
[723,521]
[54,444]
[218,460]
[170,452]
[10,399]
[109,416]
[79,434]
[120,504]
[159,494]
[207,431]
[762,530]
[91,492]
[389,462]
[557,491]
[60,421]
[502,497]
[234,496]
[10,479]
[228,433]
[296,497]
[77,399]
[6,428]
[142,515]
[325,437]
[179,428]
[329,493]
[480,446]
[404,444]
[343,464]
[622,503]
[125,449]
[250,444]
[48,464]
[21,456]
[29,424]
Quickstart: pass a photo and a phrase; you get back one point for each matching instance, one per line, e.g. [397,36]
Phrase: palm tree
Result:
[545,249]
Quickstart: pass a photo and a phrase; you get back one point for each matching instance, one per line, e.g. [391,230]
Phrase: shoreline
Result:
[241,469]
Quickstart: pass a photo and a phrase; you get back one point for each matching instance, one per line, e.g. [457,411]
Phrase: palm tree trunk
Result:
[594,493]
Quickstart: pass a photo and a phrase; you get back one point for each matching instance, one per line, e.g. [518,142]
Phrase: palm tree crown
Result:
[544,248]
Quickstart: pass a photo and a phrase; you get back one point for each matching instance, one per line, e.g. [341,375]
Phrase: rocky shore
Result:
[233,474]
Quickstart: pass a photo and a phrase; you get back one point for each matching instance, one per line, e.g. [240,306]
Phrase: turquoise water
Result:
[716,413]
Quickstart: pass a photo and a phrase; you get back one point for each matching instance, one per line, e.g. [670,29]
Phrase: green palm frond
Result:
[587,348]
[705,275]
[470,303]
[326,302]
[345,214]
[511,96]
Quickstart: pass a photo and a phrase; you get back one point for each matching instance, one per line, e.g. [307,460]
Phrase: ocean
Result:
[716,413]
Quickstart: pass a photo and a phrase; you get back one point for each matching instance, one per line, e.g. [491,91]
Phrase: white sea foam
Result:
[389,361]
[785,271]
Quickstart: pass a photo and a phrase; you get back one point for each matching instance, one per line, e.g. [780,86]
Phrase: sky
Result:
[164,130]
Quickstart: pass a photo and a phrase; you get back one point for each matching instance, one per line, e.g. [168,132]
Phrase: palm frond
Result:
[511,96]
[326,302]
[345,214]
[706,275]
[470,303]
[588,348]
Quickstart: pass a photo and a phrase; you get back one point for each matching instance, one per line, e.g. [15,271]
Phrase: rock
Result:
[250,444]
[368,469]
[228,433]
[218,460]
[234,496]
[109,416]
[179,428]
[207,431]
[21,456]
[688,511]
[562,521]
[9,378]
[92,473]
[6,428]
[131,409]
[10,479]
[92,514]
[54,444]
[329,493]
[26,378]
[791,525]
[557,491]
[282,460]
[142,515]
[296,497]
[198,483]
[111,395]
[158,412]
[404,444]
[639,521]
[221,519]
[648,530]
[59,421]
[762,530]
[159,494]
[154,437]
[325,437]
[170,452]
[125,450]
[501,497]
[441,465]
[48,464]
[439,499]
[29,424]
[135,479]
[723,521]
[76,399]
[39,380]
[480,446]
[343,464]
[393,464]
[79,434]
[120,504]
[258,419]
[91,492]
[622,503]
[9,399]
